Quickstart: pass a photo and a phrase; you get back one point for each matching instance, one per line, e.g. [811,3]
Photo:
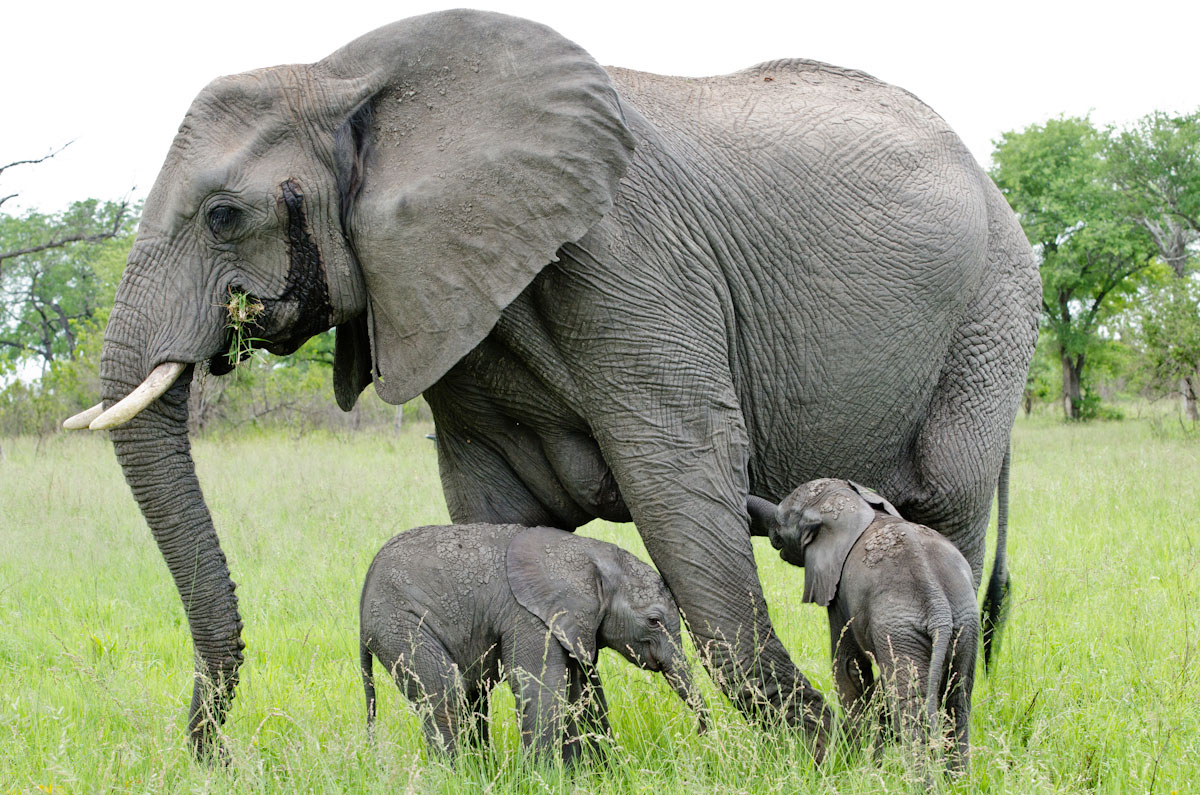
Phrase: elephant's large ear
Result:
[491,142]
[829,522]
[874,499]
[553,576]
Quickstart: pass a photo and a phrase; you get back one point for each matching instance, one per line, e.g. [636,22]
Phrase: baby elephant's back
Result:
[895,557]
[443,576]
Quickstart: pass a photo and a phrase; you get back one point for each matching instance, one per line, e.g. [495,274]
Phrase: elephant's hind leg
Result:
[431,680]
[959,449]
[960,681]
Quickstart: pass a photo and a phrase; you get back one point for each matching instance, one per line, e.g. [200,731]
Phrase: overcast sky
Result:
[117,77]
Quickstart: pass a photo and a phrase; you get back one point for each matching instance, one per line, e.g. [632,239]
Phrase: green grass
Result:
[1097,688]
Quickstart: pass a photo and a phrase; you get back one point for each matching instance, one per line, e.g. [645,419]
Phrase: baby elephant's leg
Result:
[539,684]
[479,678]
[587,727]
[852,675]
[904,663]
[959,684]
[432,681]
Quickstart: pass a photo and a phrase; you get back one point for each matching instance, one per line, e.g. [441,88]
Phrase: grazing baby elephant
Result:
[444,607]
[898,593]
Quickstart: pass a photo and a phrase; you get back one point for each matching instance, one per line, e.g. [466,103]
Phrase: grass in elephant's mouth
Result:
[244,309]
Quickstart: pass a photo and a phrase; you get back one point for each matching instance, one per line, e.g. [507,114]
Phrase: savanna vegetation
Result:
[1097,684]
[1095,691]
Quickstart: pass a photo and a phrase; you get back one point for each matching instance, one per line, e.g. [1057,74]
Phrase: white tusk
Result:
[159,381]
[84,418]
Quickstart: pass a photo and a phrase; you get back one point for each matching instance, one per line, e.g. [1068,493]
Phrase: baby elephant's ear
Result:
[874,499]
[844,517]
[553,575]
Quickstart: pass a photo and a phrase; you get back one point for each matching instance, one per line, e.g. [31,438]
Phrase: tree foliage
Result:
[1057,180]
[58,275]
[1155,163]
[1167,324]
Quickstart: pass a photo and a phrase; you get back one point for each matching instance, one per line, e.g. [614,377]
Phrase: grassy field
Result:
[1098,688]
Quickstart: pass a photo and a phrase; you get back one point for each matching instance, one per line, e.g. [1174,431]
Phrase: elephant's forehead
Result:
[644,593]
[816,487]
[834,504]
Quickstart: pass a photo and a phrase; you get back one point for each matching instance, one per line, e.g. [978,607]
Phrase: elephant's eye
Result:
[222,218]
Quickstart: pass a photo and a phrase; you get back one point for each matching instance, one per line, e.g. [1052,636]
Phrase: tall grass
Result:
[1096,690]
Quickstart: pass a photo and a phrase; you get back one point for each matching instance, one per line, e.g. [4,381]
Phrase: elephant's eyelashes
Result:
[222,218]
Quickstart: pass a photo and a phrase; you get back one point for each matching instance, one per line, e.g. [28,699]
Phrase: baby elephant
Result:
[898,593]
[444,607]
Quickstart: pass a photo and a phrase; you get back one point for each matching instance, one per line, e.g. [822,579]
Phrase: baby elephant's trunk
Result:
[679,676]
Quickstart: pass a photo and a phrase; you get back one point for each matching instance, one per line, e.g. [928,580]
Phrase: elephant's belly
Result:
[852,409]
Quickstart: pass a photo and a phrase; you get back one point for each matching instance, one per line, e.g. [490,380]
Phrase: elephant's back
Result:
[850,226]
[445,577]
[791,103]
[442,555]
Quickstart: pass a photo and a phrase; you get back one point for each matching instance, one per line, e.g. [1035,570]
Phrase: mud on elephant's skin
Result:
[898,594]
[443,608]
[614,290]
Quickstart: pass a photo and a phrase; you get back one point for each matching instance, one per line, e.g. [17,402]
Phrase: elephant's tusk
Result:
[84,418]
[159,381]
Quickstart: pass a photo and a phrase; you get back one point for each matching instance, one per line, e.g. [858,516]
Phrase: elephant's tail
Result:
[366,662]
[941,635]
[995,602]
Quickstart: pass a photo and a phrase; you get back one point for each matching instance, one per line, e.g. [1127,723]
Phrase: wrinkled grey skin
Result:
[445,608]
[623,296]
[899,594]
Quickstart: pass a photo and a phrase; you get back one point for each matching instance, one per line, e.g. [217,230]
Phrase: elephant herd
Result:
[624,296]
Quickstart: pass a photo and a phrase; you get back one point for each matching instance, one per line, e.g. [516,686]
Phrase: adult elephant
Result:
[623,296]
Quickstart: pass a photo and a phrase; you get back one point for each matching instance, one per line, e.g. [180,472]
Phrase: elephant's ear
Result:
[834,520]
[351,361]
[491,141]
[875,499]
[553,576]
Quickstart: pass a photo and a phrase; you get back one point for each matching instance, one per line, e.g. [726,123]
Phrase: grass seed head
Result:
[244,309]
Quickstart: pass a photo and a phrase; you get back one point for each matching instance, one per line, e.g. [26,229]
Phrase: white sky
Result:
[117,77]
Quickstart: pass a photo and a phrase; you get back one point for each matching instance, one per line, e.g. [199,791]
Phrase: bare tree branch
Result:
[34,162]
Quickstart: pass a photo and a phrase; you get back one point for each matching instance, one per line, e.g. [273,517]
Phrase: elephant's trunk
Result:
[155,455]
[679,676]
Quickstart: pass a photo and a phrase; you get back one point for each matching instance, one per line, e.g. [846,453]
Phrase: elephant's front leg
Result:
[680,459]
[853,677]
[588,727]
[537,670]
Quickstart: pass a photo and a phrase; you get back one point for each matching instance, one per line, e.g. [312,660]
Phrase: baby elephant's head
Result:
[818,524]
[592,594]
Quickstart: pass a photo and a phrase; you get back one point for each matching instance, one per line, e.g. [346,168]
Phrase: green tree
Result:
[1155,163]
[1168,326]
[58,275]
[1056,179]
[49,284]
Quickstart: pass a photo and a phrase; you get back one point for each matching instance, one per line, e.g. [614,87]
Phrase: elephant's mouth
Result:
[265,327]
[789,554]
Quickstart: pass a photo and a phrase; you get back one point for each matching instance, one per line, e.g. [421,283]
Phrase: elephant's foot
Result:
[211,700]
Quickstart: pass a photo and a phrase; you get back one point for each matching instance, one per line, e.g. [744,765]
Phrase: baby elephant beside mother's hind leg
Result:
[899,594]
[443,608]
